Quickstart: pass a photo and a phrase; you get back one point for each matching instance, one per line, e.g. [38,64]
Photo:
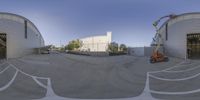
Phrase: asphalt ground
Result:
[86,77]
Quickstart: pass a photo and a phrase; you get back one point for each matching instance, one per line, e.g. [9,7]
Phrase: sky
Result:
[130,21]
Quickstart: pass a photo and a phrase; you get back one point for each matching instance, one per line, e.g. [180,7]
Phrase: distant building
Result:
[18,36]
[96,43]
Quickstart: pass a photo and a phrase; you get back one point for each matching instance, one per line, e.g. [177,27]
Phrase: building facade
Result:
[96,43]
[18,36]
[181,36]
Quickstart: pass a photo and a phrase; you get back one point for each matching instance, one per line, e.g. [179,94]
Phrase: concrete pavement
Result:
[74,76]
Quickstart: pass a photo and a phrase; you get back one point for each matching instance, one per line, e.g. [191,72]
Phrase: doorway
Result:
[3,46]
[193,46]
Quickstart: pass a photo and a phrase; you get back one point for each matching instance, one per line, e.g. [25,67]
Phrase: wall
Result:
[148,51]
[143,51]
[136,51]
[96,43]
[17,45]
[177,31]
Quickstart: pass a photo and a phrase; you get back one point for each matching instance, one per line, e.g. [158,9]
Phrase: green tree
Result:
[113,47]
[123,48]
[74,44]
[62,48]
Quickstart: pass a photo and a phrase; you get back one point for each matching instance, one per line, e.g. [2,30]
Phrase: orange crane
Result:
[156,55]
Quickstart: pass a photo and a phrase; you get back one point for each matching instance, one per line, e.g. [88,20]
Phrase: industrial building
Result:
[181,36]
[96,43]
[18,36]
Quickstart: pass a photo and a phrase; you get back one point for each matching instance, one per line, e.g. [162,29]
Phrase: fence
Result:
[142,51]
[89,53]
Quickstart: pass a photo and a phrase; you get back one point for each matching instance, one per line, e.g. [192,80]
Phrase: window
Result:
[25,29]
[166,31]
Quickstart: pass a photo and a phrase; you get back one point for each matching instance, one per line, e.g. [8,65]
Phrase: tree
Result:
[74,44]
[113,47]
[123,48]
[62,48]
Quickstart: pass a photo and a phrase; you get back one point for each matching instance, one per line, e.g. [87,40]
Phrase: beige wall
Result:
[96,43]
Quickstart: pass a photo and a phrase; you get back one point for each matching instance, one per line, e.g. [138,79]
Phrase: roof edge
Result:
[13,14]
[183,14]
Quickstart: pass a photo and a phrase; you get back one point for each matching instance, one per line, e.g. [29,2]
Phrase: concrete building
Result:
[96,43]
[181,36]
[18,36]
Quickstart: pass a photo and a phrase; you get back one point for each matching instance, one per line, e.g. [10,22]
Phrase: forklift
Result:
[157,56]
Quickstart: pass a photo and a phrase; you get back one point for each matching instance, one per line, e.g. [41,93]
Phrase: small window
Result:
[25,29]
[166,32]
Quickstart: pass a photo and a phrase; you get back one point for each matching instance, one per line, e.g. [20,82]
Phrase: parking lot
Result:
[65,76]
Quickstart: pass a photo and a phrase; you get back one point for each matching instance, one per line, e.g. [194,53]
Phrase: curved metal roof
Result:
[6,13]
[180,15]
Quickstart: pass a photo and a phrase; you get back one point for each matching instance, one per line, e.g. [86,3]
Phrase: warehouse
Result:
[18,36]
[181,36]
[96,43]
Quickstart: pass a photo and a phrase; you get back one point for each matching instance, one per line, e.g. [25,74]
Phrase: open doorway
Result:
[193,46]
[3,40]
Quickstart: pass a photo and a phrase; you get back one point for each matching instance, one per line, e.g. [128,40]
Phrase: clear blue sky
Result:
[60,21]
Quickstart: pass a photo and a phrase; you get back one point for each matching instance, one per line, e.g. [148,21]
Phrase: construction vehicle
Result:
[158,56]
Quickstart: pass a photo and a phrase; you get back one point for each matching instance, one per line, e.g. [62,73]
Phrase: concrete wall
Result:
[96,43]
[17,44]
[136,51]
[143,51]
[148,51]
[178,29]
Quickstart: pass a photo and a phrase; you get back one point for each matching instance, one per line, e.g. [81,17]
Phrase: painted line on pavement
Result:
[9,83]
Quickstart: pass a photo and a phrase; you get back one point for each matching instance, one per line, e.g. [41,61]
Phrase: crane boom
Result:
[157,56]
[158,35]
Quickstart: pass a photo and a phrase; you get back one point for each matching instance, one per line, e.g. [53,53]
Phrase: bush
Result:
[73,45]
[113,47]
[123,48]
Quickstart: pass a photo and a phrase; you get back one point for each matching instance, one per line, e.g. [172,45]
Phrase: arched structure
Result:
[181,35]
[18,36]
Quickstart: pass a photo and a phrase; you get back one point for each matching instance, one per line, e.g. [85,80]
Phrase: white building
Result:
[18,36]
[181,36]
[96,43]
